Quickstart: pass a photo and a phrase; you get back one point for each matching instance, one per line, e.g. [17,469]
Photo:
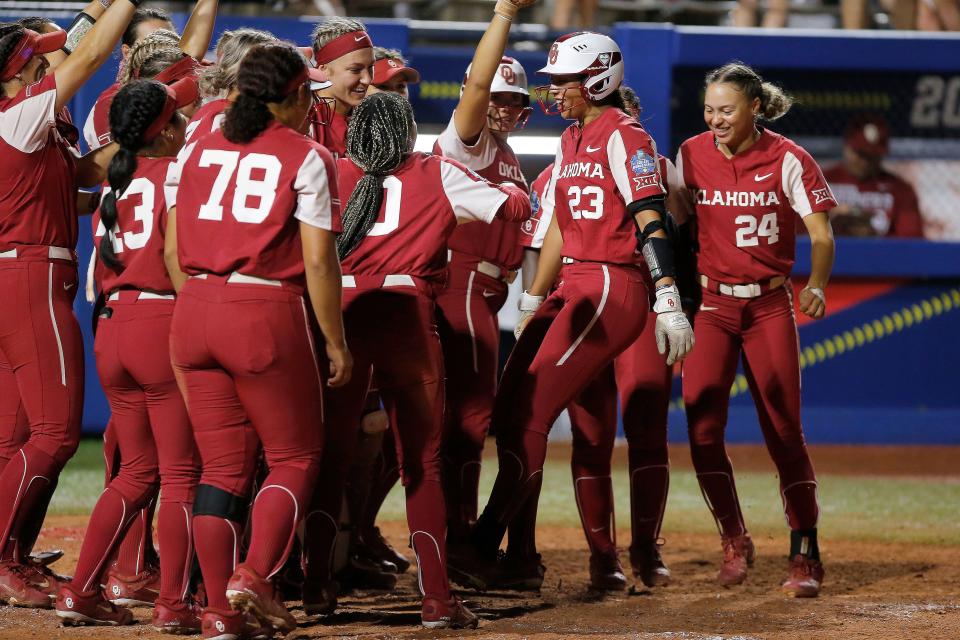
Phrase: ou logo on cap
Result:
[554,53]
[392,62]
[508,74]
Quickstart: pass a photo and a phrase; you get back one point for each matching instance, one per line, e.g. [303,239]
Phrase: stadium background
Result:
[880,368]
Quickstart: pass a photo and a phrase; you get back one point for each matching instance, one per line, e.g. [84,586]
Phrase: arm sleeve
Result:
[316,185]
[174,173]
[633,162]
[26,122]
[477,156]
[804,185]
[470,196]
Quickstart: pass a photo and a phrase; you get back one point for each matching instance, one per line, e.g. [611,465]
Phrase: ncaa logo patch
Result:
[642,163]
[605,59]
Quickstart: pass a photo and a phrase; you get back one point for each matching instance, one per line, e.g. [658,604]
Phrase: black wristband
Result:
[658,252]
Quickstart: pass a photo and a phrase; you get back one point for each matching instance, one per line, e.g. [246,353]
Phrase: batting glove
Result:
[673,328]
[528,306]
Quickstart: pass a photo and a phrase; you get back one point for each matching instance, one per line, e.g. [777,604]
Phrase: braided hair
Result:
[216,81]
[264,77]
[135,107]
[378,141]
[159,40]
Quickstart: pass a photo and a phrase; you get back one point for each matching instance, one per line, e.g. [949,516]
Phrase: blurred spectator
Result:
[745,13]
[873,201]
[562,19]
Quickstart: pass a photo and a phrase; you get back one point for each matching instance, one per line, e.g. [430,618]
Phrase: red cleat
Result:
[606,574]
[217,624]
[248,592]
[805,577]
[648,566]
[140,590]
[180,619]
[18,588]
[451,614]
[738,554]
[76,608]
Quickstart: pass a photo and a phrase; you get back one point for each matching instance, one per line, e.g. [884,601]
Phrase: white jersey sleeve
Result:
[470,196]
[26,123]
[174,172]
[312,184]
[477,156]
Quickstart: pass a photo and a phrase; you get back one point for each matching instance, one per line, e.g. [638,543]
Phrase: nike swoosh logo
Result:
[761,178]
[67,286]
[359,38]
[706,308]
[489,294]
[597,529]
[592,149]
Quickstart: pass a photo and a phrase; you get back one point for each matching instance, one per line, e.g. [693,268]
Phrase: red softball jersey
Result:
[890,200]
[38,198]
[529,237]
[493,159]
[600,170]
[138,236]
[423,201]
[746,206]
[238,205]
[207,119]
[333,134]
[96,128]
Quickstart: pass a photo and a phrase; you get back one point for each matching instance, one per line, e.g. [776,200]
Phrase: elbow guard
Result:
[78,28]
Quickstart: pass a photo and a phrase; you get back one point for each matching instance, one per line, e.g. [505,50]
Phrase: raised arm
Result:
[92,51]
[470,116]
[198,33]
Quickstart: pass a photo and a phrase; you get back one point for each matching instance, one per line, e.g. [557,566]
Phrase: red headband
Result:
[180,94]
[296,81]
[347,43]
[31,44]
[182,68]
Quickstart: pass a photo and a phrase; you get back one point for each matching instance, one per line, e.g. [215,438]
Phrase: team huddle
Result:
[295,310]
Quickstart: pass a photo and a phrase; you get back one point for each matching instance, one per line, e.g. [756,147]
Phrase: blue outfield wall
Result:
[880,370]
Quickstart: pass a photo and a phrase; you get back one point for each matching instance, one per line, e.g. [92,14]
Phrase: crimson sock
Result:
[29,523]
[175,534]
[19,497]
[111,516]
[428,533]
[715,475]
[385,477]
[649,483]
[522,531]
[218,550]
[594,496]
[277,511]
[130,559]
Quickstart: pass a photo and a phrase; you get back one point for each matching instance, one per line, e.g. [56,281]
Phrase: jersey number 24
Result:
[749,231]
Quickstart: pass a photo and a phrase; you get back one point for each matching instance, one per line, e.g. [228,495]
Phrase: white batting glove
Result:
[673,328]
[528,306]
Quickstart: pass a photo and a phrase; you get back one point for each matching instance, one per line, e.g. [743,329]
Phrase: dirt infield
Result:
[872,590]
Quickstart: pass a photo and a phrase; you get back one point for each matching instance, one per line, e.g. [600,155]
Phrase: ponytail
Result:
[774,102]
[135,107]
[265,76]
[378,141]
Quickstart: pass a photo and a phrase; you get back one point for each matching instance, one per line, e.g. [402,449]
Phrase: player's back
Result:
[238,204]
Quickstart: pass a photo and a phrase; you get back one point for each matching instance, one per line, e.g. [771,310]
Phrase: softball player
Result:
[256,211]
[393,248]
[343,52]
[750,184]
[38,230]
[133,360]
[606,185]
[483,260]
